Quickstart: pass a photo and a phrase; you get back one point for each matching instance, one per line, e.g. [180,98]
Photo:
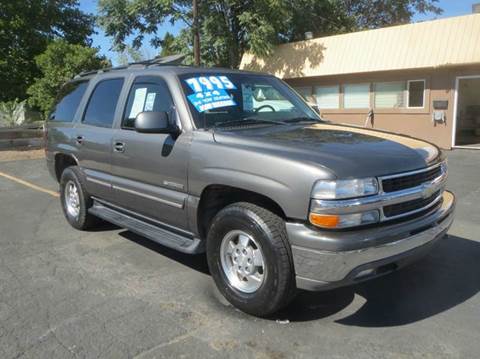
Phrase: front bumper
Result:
[328,259]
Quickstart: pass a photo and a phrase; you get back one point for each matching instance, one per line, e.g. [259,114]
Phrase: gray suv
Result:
[237,165]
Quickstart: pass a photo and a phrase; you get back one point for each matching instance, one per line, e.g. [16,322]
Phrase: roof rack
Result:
[165,60]
[172,60]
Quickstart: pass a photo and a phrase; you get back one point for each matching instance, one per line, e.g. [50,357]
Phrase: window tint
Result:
[415,93]
[147,94]
[327,97]
[68,100]
[101,106]
[356,96]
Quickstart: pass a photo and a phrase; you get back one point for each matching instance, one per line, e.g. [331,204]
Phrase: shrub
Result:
[12,113]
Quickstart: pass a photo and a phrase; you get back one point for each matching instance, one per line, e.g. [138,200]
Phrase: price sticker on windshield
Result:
[210,83]
[210,92]
[208,100]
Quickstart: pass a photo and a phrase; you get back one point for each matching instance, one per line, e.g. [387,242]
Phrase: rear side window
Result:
[147,94]
[68,100]
[103,102]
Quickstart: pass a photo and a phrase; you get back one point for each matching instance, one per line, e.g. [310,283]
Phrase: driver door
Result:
[150,170]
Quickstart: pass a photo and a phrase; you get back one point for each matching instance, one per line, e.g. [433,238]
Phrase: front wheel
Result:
[249,258]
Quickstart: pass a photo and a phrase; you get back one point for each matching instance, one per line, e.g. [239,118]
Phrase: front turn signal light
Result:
[324,220]
[343,220]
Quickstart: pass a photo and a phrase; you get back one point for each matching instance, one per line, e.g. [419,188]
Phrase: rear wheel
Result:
[249,258]
[75,200]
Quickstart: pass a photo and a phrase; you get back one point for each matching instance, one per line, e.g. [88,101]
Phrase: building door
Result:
[467,124]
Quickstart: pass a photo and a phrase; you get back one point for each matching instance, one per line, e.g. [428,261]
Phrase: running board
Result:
[150,231]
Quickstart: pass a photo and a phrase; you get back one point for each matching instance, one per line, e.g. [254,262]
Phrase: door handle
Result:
[119,147]
[79,139]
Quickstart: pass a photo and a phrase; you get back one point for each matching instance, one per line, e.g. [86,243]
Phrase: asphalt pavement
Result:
[109,293]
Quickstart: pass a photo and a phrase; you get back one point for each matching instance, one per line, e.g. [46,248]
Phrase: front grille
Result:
[409,206]
[412,180]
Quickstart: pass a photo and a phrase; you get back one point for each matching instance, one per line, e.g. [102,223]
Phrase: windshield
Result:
[217,100]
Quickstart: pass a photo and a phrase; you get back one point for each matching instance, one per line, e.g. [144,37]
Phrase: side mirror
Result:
[315,107]
[154,122]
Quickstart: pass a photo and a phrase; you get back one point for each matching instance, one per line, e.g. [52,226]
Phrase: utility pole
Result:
[196,34]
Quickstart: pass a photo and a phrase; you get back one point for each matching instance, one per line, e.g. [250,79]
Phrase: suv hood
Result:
[346,151]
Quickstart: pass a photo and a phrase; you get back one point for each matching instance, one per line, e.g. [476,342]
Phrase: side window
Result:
[68,100]
[146,94]
[103,101]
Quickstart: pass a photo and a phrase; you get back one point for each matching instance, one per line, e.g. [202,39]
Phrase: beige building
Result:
[420,79]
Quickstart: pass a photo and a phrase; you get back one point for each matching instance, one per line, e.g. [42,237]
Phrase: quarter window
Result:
[356,96]
[327,97]
[390,94]
[103,102]
[147,94]
[68,100]
[416,90]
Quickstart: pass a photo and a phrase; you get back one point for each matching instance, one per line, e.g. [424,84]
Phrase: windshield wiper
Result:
[301,119]
[247,121]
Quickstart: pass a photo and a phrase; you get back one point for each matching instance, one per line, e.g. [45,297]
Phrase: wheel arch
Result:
[63,161]
[215,197]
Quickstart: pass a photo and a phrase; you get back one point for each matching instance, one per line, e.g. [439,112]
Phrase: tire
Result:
[265,231]
[79,219]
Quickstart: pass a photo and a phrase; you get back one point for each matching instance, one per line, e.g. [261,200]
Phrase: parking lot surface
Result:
[112,294]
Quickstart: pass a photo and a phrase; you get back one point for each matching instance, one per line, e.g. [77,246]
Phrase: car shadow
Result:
[196,262]
[102,226]
[448,276]
[445,278]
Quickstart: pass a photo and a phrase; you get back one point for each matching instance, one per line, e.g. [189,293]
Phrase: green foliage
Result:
[229,28]
[12,113]
[59,63]
[26,28]
[129,54]
[169,45]
[370,14]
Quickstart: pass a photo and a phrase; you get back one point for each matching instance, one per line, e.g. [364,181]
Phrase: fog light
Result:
[344,220]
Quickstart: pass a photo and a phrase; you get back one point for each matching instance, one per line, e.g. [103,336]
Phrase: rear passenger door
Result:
[93,136]
[150,169]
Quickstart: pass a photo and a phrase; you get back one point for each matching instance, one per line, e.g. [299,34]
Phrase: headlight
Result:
[336,221]
[339,189]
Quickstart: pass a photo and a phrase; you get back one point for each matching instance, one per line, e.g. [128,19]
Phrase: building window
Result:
[356,96]
[327,97]
[305,92]
[390,94]
[416,93]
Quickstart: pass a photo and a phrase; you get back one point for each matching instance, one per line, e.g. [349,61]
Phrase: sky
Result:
[104,43]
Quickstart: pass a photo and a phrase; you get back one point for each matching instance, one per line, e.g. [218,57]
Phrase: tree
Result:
[129,54]
[169,45]
[229,28]
[58,64]
[26,28]
[370,14]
